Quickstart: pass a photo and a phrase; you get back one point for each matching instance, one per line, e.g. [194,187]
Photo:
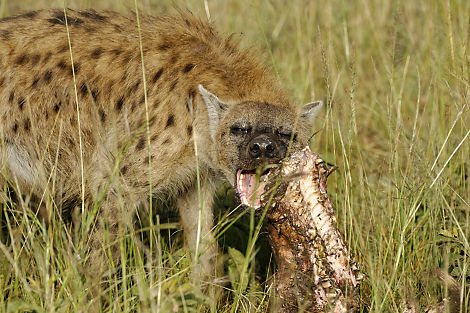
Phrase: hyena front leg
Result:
[197,218]
[103,237]
[109,218]
[3,189]
[114,201]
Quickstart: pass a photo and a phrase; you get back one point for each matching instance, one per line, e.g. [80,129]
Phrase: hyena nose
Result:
[262,146]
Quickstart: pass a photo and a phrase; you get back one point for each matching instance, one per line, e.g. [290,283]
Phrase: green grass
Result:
[395,79]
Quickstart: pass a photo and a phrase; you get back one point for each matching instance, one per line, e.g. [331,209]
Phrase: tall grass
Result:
[395,79]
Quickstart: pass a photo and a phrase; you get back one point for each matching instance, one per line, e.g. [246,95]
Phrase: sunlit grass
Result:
[394,76]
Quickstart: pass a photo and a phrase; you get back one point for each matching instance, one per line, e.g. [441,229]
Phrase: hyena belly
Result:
[77,91]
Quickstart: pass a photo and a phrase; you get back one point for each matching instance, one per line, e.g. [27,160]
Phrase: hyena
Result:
[91,99]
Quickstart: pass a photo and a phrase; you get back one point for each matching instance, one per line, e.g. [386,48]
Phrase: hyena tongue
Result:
[249,189]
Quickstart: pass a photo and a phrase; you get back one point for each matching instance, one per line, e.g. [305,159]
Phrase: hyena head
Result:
[250,136]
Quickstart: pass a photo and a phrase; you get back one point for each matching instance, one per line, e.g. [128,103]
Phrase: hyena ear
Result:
[215,109]
[310,111]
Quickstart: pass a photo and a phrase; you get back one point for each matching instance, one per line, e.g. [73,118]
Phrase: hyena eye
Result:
[240,129]
[285,134]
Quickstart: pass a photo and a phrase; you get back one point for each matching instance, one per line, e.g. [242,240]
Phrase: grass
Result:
[395,79]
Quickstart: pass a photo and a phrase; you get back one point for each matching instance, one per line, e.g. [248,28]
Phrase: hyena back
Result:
[76,91]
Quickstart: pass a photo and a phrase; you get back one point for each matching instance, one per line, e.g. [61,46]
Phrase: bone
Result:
[317,272]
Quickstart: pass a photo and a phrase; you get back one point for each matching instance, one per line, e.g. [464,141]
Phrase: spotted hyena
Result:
[93,100]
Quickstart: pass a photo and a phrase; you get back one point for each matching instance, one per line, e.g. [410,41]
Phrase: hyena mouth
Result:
[250,186]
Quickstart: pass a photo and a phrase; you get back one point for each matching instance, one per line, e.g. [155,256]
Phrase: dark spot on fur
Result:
[138,184]
[63,48]
[188,67]
[133,105]
[173,85]
[71,141]
[48,76]
[28,14]
[167,141]
[76,68]
[156,103]
[124,170]
[90,29]
[22,59]
[27,124]
[93,15]
[135,87]
[119,103]
[35,82]
[12,97]
[189,130]
[117,27]
[47,57]
[116,51]
[127,58]
[55,21]
[141,144]
[68,205]
[174,58]
[35,59]
[142,99]
[170,121]
[102,116]
[21,103]
[154,137]
[62,65]
[6,19]
[2,81]
[163,47]
[94,94]
[187,22]
[58,18]
[157,75]
[6,34]
[97,53]
[146,160]
[15,128]
[57,106]
[141,122]
[84,90]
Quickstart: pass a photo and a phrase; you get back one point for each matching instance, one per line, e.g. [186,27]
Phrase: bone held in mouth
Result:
[316,271]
